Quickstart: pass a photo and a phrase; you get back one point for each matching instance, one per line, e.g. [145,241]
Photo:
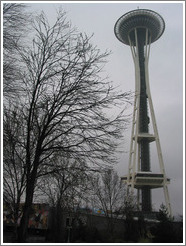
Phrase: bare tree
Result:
[109,194]
[65,186]
[65,192]
[63,104]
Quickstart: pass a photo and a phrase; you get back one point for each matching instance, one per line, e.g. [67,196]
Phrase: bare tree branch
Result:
[15,27]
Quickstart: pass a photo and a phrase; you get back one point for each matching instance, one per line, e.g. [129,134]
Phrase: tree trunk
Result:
[22,230]
[59,224]
[16,217]
[30,186]
[110,225]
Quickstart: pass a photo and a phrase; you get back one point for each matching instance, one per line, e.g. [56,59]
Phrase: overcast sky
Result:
[165,72]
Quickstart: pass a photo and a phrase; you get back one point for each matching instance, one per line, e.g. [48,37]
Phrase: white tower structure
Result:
[138,29]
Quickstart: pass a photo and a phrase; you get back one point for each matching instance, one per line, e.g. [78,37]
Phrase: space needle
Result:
[139,29]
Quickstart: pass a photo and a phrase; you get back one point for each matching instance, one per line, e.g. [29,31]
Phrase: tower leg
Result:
[167,200]
[159,151]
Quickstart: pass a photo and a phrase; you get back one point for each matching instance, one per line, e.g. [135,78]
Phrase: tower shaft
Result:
[143,123]
[143,114]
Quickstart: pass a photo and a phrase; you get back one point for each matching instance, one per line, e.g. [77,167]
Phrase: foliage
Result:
[163,215]
[165,231]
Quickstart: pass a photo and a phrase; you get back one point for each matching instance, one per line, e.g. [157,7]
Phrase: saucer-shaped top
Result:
[141,19]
